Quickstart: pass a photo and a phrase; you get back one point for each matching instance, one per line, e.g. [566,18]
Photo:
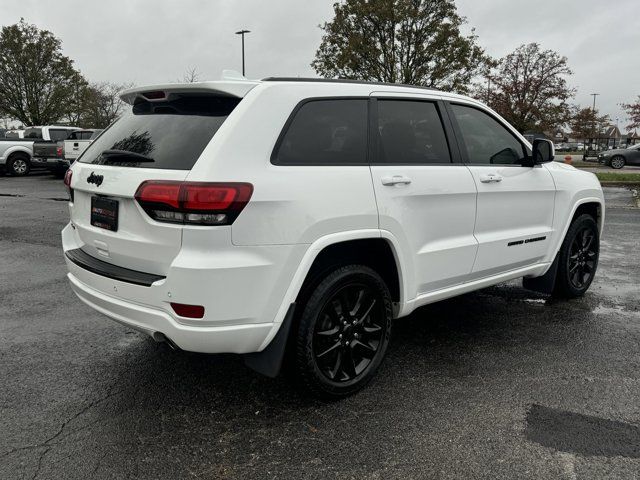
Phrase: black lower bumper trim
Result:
[108,270]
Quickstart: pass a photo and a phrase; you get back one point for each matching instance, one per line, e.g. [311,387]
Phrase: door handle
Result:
[491,178]
[396,180]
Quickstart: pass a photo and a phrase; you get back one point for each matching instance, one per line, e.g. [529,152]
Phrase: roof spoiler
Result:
[226,88]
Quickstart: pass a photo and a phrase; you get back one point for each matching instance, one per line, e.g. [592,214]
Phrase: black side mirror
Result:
[542,151]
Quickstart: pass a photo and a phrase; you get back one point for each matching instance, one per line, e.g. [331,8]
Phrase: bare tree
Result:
[191,75]
[103,104]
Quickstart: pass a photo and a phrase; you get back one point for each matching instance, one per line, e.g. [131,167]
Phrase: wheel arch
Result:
[13,151]
[591,205]
[340,243]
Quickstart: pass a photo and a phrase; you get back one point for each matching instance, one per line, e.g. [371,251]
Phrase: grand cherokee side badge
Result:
[93,178]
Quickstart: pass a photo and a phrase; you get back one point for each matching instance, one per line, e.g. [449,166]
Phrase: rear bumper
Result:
[232,339]
[241,288]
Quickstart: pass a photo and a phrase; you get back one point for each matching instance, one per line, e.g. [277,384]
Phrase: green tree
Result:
[36,79]
[586,123]
[633,110]
[415,42]
[529,88]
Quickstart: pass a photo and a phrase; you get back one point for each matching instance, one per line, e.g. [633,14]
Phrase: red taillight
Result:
[67,183]
[188,311]
[193,202]
[59,151]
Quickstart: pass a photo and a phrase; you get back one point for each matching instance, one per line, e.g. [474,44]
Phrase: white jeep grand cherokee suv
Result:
[292,218]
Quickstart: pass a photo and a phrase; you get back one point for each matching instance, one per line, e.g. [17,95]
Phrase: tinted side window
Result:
[487,141]
[411,132]
[325,132]
[85,135]
[58,134]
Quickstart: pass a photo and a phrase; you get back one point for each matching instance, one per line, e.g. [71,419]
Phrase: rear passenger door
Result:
[514,216]
[426,197]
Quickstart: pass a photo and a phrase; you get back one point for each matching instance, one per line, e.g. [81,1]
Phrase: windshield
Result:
[634,147]
[33,133]
[170,134]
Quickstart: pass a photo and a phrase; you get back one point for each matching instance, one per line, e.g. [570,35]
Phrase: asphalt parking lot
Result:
[501,383]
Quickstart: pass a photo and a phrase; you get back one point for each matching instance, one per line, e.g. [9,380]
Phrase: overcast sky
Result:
[153,41]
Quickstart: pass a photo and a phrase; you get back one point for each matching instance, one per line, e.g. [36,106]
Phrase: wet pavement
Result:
[500,383]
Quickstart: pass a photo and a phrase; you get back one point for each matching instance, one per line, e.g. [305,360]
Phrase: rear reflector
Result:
[188,311]
[196,203]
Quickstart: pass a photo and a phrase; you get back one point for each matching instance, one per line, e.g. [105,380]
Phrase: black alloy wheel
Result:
[583,256]
[349,332]
[578,258]
[342,332]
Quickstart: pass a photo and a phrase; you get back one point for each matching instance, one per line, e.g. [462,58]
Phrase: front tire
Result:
[343,332]
[578,258]
[617,162]
[19,165]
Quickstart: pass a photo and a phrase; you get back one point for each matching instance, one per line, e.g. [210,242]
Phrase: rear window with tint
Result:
[325,132]
[56,134]
[33,133]
[171,134]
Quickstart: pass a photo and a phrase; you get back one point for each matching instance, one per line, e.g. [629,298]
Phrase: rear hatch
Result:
[160,138]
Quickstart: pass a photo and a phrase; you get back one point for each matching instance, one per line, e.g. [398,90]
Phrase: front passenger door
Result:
[514,214]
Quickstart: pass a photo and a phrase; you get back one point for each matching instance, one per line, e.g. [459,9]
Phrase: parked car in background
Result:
[48,148]
[620,157]
[352,204]
[2,132]
[77,143]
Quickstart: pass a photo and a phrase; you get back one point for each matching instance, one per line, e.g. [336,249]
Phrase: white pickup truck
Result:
[77,143]
[16,155]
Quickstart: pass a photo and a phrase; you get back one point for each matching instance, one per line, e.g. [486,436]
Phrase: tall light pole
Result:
[242,32]
[594,95]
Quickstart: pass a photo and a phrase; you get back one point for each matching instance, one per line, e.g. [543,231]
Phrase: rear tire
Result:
[617,162]
[578,258]
[19,165]
[342,333]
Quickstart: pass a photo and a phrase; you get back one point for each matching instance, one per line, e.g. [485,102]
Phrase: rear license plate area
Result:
[104,213]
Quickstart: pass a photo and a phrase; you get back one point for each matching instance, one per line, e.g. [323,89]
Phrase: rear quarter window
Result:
[324,132]
[171,133]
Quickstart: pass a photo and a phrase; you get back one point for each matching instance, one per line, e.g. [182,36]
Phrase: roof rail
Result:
[343,80]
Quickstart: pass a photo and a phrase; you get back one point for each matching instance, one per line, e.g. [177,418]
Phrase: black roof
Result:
[344,80]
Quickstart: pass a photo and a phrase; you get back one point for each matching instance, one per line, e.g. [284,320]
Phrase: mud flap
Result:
[268,362]
[545,283]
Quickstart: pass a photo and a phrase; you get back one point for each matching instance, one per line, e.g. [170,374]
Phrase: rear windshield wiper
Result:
[124,156]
